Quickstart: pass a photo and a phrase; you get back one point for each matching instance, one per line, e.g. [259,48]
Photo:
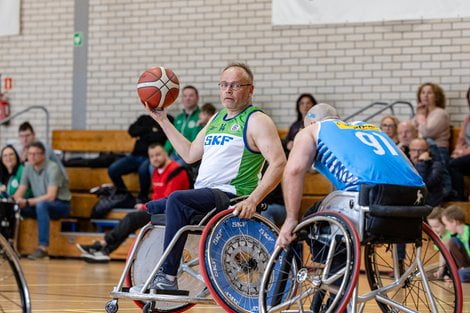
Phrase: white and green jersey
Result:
[228,163]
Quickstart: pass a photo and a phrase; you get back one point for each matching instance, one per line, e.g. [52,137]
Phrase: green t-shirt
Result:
[187,126]
[48,175]
[14,183]
[465,238]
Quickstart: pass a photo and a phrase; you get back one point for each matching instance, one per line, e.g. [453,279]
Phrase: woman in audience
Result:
[304,103]
[460,159]
[432,121]
[389,125]
[10,171]
[433,124]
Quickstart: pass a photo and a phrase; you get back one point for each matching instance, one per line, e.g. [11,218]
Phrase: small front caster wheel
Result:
[111,306]
[149,307]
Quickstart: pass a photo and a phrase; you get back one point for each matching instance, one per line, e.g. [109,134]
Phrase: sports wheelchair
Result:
[224,256]
[323,262]
[14,292]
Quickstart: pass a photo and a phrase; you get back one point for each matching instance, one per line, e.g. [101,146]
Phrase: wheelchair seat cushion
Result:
[160,219]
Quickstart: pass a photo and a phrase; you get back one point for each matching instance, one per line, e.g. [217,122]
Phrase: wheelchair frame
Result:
[205,228]
[346,204]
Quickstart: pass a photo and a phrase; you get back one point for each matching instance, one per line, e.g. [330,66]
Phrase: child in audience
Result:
[453,218]
[434,220]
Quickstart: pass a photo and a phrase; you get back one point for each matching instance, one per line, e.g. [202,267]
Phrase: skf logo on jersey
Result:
[343,125]
[235,127]
[217,140]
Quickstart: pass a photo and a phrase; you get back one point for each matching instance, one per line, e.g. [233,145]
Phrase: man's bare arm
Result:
[263,137]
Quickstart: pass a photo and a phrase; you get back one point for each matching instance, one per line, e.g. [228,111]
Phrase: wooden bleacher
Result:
[82,179]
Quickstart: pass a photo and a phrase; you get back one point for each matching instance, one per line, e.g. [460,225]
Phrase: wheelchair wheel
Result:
[235,253]
[447,293]
[14,292]
[328,271]
[150,250]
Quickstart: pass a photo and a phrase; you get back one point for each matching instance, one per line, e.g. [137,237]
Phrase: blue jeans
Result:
[180,207]
[43,211]
[131,164]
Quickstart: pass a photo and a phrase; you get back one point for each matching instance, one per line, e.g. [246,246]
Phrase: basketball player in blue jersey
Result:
[232,148]
[348,154]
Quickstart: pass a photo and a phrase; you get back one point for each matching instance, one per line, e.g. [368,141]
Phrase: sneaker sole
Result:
[89,259]
[34,259]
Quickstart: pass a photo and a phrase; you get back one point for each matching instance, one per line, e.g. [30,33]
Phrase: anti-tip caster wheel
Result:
[148,307]
[111,306]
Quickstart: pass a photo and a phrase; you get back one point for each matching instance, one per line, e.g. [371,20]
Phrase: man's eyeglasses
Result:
[233,85]
[35,153]
[388,125]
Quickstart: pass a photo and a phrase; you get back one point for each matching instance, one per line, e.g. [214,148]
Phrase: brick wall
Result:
[347,65]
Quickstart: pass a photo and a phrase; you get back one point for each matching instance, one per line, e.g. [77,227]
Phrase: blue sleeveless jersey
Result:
[351,154]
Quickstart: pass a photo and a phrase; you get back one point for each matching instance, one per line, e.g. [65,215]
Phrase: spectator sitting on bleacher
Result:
[146,131]
[187,121]
[433,124]
[460,159]
[51,195]
[207,110]
[389,125]
[429,169]
[11,169]
[406,132]
[434,220]
[167,177]
[453,218]
[304,103]
[27,137]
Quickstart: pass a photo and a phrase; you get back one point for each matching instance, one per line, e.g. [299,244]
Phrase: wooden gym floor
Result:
[72,285]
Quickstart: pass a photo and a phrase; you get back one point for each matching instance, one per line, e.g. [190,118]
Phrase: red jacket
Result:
[162,187]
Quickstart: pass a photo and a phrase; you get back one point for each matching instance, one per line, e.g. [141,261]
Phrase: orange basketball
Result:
[158,87]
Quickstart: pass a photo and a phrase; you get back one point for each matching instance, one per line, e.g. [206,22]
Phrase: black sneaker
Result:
[96,257]
[87,249]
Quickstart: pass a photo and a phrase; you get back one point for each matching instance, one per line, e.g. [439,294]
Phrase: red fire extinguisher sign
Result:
[8,83]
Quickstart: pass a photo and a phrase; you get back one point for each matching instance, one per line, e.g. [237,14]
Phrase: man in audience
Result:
[51,196]
[146,131]
[429,169]
[406,132]
[187,121]
[27,136]
[453,218]
[167,177]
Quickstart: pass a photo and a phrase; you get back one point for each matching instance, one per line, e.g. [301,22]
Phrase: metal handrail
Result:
[40,107]
[384,106]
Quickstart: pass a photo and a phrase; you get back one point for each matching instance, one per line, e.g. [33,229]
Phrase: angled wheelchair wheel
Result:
[14,292]
[446,293]
[326,255]
[235,253]
[150,249]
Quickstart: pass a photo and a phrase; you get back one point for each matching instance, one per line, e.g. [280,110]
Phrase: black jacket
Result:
[432,172]
[147,131]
